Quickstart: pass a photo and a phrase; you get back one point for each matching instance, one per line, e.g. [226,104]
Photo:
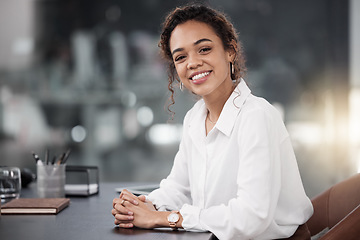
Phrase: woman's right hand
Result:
[148,203]
[123,216]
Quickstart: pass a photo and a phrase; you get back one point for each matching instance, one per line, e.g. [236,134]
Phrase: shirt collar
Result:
[232,107]
[228,115]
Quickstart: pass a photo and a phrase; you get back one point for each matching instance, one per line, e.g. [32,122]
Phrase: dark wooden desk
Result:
[85,218]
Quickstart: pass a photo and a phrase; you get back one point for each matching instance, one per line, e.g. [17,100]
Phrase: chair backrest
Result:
[331,206]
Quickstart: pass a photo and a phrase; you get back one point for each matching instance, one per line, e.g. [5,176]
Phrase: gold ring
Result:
[122,202]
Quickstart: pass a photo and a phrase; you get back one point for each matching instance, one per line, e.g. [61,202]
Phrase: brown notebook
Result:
[35,206]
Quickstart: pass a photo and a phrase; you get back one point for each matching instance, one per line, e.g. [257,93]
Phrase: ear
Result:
[232,51]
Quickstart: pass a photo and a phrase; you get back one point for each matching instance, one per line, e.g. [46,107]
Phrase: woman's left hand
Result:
[143,212]
[145,215]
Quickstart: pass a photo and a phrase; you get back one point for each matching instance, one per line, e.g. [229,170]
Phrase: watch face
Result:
[173,217]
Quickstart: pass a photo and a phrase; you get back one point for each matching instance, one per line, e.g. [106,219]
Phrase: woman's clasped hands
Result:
[130,210]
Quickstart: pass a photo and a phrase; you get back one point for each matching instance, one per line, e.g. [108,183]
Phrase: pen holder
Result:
[51,181]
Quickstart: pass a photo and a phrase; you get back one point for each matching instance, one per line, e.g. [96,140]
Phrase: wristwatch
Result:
[173,218]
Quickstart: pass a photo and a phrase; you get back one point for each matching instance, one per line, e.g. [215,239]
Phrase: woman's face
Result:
[201,62]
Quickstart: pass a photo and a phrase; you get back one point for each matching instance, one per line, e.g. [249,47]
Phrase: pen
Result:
[66,156]
[47,157]
[53,160]
[59,160]
[37,159]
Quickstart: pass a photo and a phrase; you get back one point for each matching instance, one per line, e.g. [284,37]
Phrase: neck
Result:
[216,102]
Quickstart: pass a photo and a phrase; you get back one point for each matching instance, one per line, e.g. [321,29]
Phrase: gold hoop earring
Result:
[232,68]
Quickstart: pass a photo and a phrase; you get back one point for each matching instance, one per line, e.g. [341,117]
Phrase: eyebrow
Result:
[195,43]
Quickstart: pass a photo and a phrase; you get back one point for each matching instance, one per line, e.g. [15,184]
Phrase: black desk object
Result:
[87,177]
[86,218]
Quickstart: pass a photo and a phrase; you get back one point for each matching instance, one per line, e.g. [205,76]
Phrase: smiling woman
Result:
[235,173]
[219,25]
[201,62]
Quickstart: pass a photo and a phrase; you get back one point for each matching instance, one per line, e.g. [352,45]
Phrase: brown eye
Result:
[204,50]
[179,58]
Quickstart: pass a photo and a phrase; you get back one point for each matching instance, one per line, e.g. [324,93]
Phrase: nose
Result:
[193,62]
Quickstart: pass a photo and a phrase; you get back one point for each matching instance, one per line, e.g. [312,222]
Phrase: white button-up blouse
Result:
[241,181]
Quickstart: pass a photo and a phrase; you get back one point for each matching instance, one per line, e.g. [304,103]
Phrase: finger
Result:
[114,212]
[130,198]
[124,192]
[142,198]
[116,201]
[126,225]
[128,195]
[122,209]
[121,217]
[117,222]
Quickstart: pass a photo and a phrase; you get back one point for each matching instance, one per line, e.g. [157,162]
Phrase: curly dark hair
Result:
[223,28]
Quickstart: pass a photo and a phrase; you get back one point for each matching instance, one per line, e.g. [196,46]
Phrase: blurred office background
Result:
[87,75]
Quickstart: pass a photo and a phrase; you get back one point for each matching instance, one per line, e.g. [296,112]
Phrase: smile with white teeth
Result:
[201,75]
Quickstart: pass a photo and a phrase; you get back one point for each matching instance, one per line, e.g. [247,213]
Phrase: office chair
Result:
[337,209]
